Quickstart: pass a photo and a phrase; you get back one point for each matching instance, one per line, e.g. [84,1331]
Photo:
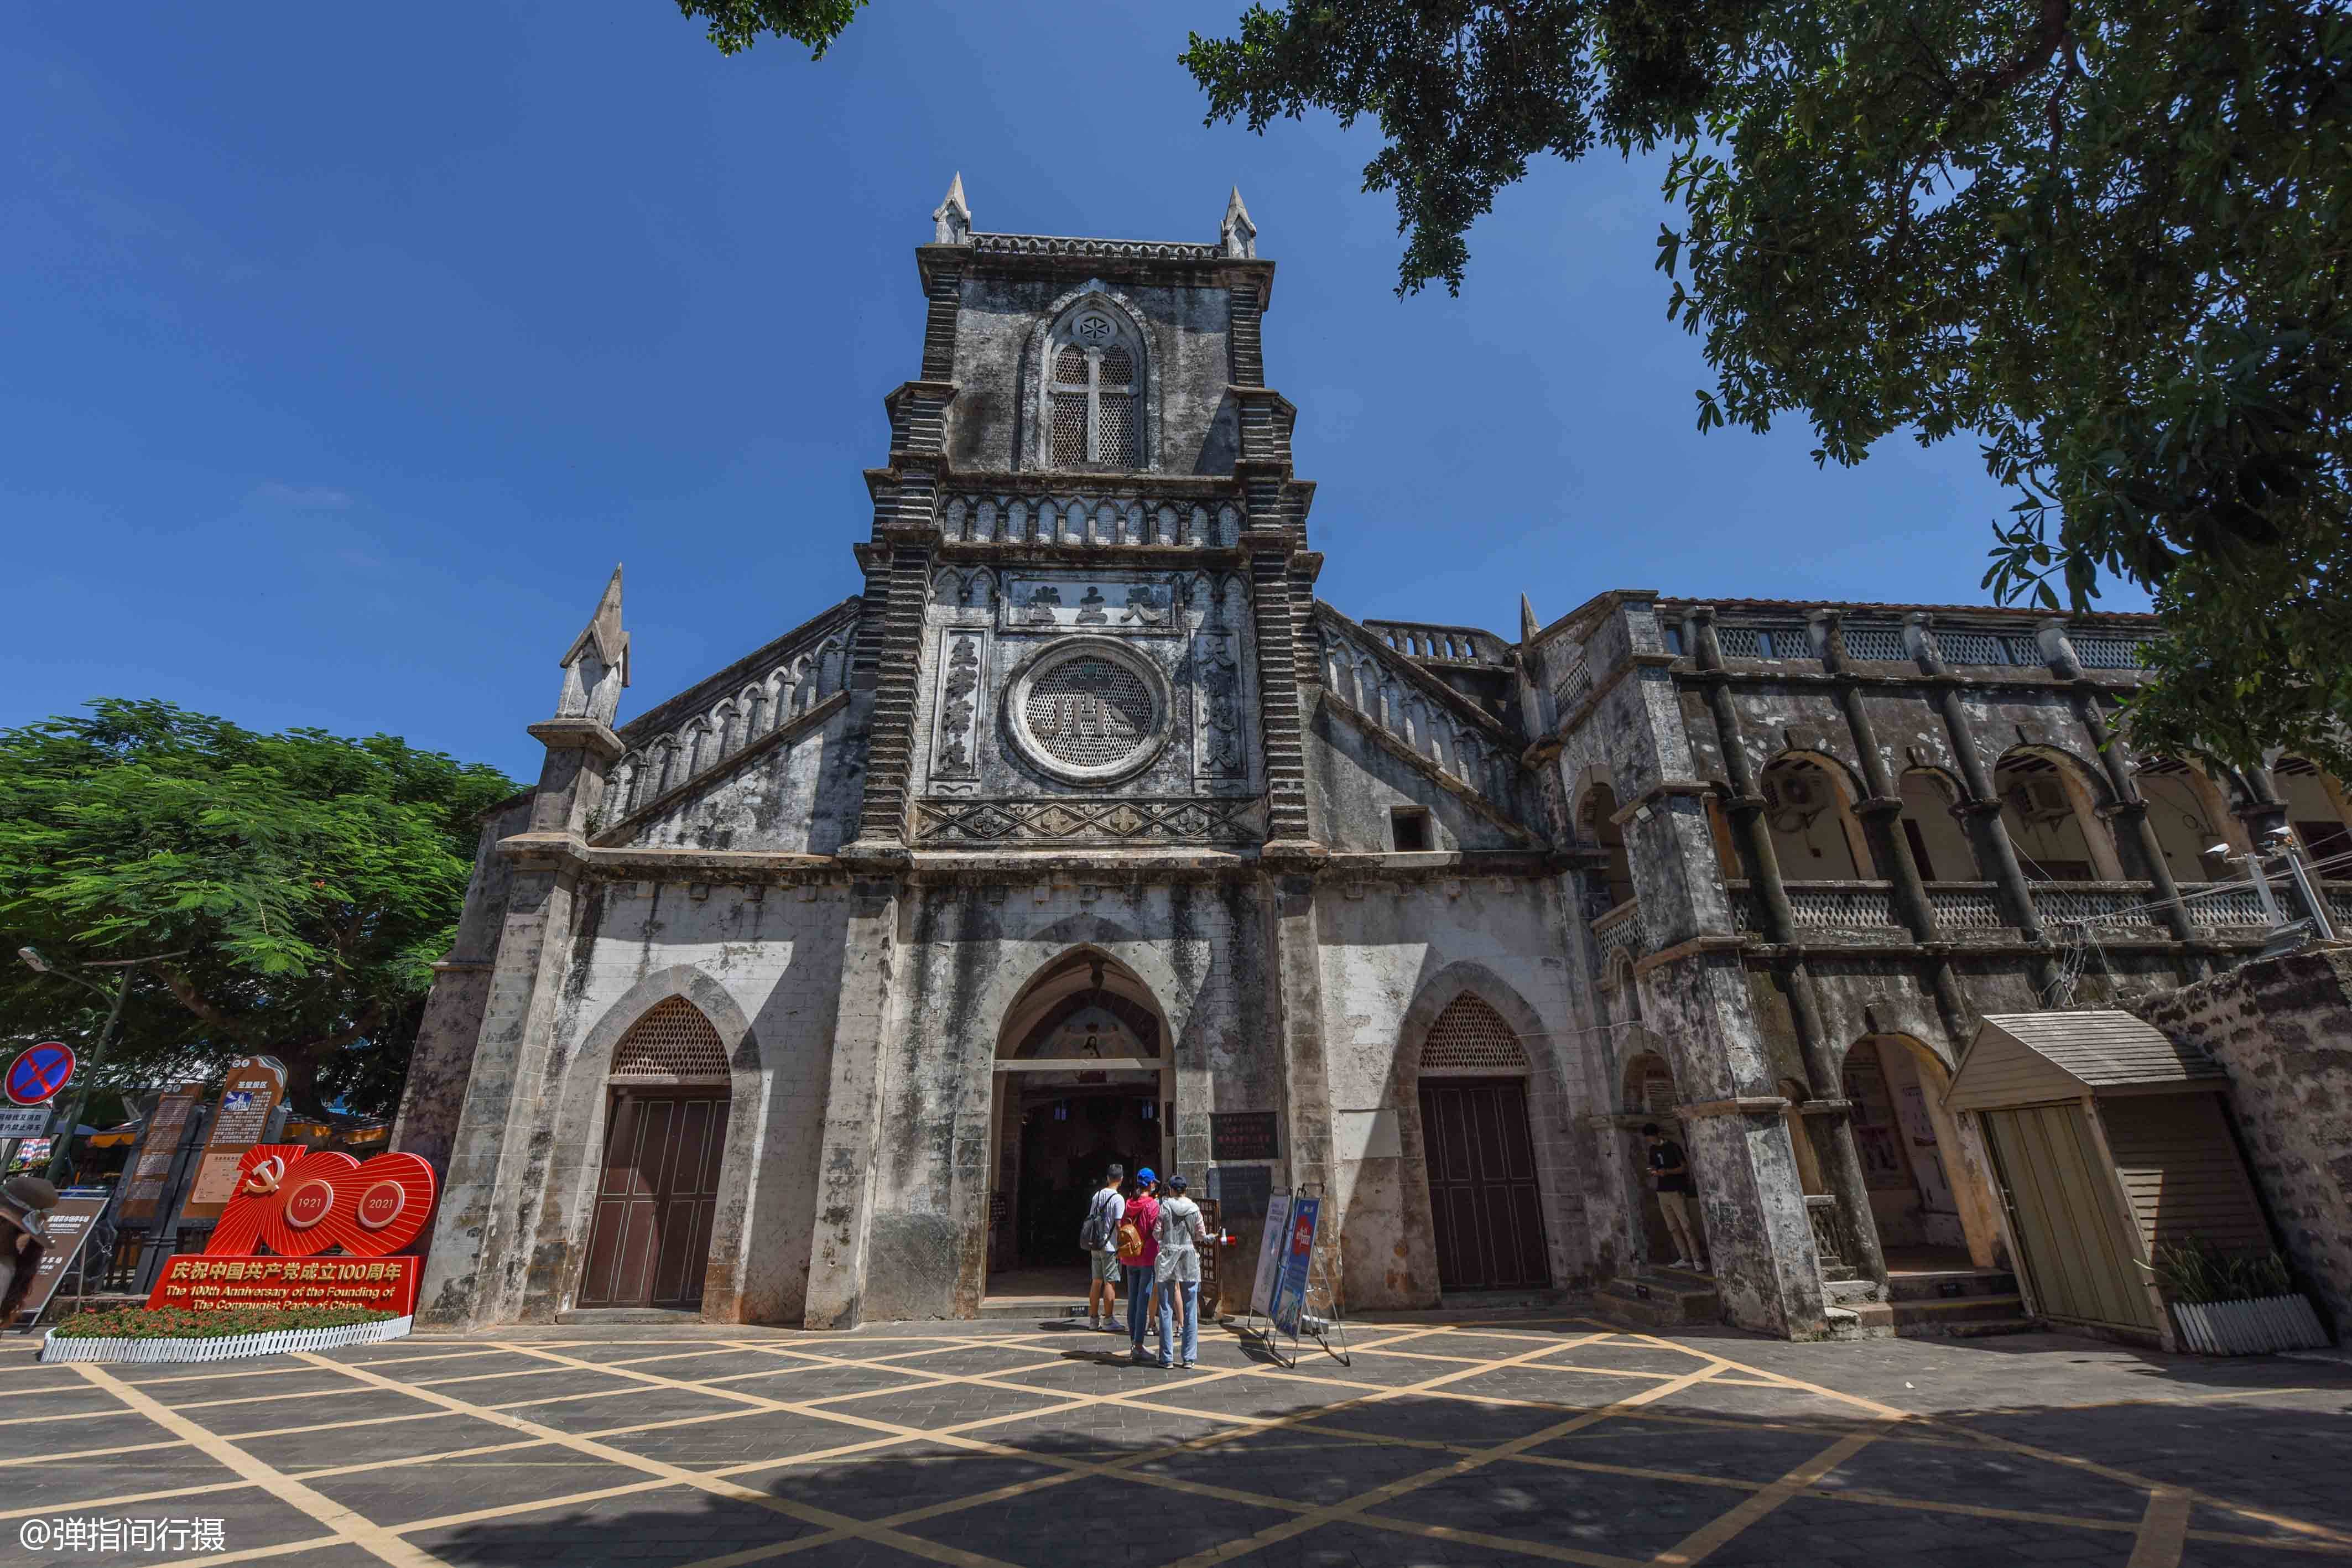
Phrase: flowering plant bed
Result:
[149,1333]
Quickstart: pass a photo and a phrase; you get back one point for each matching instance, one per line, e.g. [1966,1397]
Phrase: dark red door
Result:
[649,1241]
[1483,1199]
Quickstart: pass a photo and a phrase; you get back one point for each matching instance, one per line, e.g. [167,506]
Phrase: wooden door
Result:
[2072,1243]
[1483,1200]
[649,1242]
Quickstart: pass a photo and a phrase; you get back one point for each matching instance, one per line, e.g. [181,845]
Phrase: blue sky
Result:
[343,351]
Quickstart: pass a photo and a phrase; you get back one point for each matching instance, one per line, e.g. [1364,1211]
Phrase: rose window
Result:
[1088,712]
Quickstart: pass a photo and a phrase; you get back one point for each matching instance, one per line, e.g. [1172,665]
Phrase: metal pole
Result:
[62,1152]
[2301,876]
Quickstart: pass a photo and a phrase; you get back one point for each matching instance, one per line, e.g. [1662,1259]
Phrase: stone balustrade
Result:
[1081,519]
[1360,672]
[666,749]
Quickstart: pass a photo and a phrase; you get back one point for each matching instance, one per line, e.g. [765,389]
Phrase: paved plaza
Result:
[1453,1441]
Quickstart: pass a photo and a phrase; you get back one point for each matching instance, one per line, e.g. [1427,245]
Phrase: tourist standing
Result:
[1670,1173]
[1138,1263]
[1178,1271]
[1099,1236]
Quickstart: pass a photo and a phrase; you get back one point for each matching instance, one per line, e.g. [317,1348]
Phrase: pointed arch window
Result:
[1094,391]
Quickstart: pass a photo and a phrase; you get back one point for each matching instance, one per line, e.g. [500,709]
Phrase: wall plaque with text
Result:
[1242,1135]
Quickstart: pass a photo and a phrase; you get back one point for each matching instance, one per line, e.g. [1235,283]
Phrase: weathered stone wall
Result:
[2282,1028]
[797,795]
[1394,953]
[442,1060]
[1361,774]
[1188,335]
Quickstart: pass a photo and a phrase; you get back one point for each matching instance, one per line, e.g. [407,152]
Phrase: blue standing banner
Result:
[1298,1257]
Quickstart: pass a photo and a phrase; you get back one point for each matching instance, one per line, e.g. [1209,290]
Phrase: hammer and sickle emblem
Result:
[266,1176]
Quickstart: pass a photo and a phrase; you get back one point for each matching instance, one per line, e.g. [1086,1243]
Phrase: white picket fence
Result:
[2254,1327]
[87,1347]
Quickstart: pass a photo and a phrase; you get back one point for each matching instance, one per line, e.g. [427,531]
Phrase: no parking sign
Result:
[34,1077]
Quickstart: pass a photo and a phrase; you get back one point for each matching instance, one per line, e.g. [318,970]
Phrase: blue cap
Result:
[1144,1174]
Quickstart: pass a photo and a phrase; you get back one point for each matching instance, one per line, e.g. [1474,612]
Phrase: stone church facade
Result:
[815,994]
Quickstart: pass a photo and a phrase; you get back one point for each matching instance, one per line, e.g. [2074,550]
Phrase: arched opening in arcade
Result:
[1809,807]
[1930,1203]
[2050,806]
[1084,1079]
[667,1096]
[2318,813]
[1648,1094]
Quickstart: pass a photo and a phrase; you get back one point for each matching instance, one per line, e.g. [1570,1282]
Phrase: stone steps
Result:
[1662,1298]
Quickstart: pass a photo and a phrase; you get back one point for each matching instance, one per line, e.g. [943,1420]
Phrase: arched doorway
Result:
[1649,1095]
[1930,1194]
[668,1097]
[1084,1080]
[1485,1201]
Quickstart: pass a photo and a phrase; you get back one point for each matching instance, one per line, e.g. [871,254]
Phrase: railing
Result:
[2223,905]
[1089,519]
[1574,687]
[1621,931]
[2096,903]
[1879,644]
[1989,648]
[1829,1241]
[1428,640]
[1773,641]
[797,679]
[1362,676]
[1839,905]
[1967,905]
[2103,651]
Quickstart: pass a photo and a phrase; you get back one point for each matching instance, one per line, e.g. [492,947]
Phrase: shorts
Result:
[1105,1266]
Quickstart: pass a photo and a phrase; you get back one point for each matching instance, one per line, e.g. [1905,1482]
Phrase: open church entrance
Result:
[1083,1082]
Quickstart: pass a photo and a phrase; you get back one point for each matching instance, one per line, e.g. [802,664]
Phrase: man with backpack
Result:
[1138,1251]
[1099,1236]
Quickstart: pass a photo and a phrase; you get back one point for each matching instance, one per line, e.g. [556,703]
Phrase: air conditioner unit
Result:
[1793,798]
[2039,800]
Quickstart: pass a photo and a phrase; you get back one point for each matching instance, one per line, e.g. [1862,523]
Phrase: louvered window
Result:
[1471,1037]
[673,1043]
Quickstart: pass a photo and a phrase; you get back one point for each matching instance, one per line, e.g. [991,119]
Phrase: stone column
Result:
[1841,1160]
[852,1109]
[1988,834]
[1882,821]
[2115,757]
[497,1176]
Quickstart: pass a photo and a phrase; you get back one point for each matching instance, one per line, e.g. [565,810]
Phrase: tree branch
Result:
[187,996]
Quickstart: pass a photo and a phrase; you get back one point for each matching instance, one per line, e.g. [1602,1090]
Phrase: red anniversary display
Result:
[299,1206]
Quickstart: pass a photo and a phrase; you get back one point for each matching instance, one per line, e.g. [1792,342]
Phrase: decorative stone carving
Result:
[960,699]
[1088,711]
[943,822]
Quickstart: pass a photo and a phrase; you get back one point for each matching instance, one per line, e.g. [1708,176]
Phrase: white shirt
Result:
[1181,1233]
[1107,1200]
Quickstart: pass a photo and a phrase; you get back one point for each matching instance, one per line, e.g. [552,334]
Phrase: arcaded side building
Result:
[822,991]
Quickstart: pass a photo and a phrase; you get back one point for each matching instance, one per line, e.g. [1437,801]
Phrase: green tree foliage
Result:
[2108,240]
[311,881]
[736,25]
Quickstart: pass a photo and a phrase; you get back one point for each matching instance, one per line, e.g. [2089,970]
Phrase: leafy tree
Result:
[308,882]
[2109,240]
[736,25]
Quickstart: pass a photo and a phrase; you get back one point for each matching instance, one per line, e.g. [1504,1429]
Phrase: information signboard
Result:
[1298,1255]
[255,1085]
[1269,1254]
[23,1121]
[68,1225]
[1242,1135]
[159,1144]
